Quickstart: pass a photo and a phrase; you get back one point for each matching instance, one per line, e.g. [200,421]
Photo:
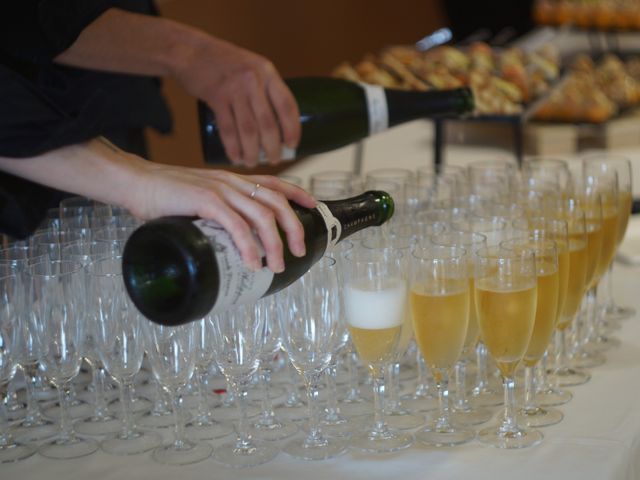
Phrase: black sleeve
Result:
[36,31]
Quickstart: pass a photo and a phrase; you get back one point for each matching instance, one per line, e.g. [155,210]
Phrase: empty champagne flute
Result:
[120,347]
[310,334]
[11,305]
[237,343]
[171,353]
[57,292]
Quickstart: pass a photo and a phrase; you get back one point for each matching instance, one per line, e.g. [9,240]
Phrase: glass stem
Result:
[204,413]
[353,394]
[5,434]
[332,410]
[179,440]
[66,426]
[541,380]
[314,438]
[99,374]
[609,303]
[482,379]
[268,415]
[33,416]
[422,387]
[530,405]
[125,401]
[393,381]
[562,360]
[443,424]
[377,374]
[461,402]
[509,421]
[244,437]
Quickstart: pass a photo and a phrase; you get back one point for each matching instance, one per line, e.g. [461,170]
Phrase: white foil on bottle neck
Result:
[334,227]
[376,107]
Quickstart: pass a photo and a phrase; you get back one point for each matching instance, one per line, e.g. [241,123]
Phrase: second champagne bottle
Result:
[336,112]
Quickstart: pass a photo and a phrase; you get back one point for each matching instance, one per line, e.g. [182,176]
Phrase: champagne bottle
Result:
[179,269]
[336,112]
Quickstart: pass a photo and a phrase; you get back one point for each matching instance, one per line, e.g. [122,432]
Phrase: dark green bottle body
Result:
[336,112]
[179,269]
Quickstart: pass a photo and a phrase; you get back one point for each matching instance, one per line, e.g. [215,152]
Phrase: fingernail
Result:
[279,267]
[300,250]
[256,265]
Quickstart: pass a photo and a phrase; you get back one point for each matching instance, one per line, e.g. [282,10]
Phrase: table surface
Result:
[599,437]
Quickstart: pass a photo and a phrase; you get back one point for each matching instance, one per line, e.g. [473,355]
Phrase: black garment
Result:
[45,106]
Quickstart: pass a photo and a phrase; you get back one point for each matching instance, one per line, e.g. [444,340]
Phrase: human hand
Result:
[227,198]
[255,110]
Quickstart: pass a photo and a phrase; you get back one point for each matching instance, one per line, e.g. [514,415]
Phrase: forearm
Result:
[126,42]
[96,169]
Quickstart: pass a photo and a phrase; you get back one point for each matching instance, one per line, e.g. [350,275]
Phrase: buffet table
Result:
[599,437]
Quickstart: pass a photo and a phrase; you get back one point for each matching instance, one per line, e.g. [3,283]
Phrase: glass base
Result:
[381,442]
[415,403]
[208,431]
[569,377]
[588,359]
[486,398]
[187,452]
[276,430]
[232,413]
[156,420]
[472,416]
[403,420]
[78,411]
[519,438]
[617,312]
[64,449]
[605,342]
[36,432]
[356,408]
[293,413]
[137,442]
[139,405]
[439,437]
[328,447]
[99,426]
[539,417]
[15,452]
[256,453]
[553,397]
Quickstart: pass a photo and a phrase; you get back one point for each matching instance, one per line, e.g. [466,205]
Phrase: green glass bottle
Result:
[179,269]
[336,112]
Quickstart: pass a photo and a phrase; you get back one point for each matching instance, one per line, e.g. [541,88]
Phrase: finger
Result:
[289,190]
[285,216]
[263,220]
[228,132]
[215,208]
[286,109]
[247,129]
[268,130]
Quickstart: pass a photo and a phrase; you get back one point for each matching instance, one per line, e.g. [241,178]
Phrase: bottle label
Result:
[238,284]
[286,154]
[377,108]
[334,227]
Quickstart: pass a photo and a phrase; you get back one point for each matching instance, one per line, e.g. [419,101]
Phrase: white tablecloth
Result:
[599,437]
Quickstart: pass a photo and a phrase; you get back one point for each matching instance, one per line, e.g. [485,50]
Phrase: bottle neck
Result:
[365,210]
[405,105]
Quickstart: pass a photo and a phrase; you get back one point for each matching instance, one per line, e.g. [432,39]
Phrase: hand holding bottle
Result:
[255,111]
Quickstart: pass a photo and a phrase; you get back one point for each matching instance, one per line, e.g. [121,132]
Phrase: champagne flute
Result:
[57,290]
[564,374]
[120,347]
[237,343]
[171,353]
[375,298]
[11,304]
[440,311]
[463,411]
[548,279]
[604,162]
[311,331]
[505,297]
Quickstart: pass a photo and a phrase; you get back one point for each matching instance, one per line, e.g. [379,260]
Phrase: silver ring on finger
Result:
[255,190]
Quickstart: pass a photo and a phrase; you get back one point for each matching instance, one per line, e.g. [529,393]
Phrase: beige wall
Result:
[301,37]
